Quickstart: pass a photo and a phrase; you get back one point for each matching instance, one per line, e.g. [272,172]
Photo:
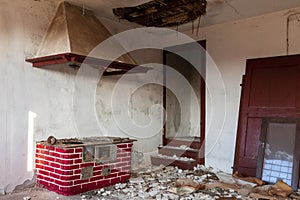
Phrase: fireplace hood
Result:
[73,33]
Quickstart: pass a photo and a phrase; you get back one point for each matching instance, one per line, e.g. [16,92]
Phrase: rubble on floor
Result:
[163,183]
[169,182]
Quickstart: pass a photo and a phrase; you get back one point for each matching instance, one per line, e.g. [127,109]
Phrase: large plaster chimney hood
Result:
[71,36]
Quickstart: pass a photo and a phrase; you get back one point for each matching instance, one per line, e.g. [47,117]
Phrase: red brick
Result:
[63,183]
[78,150]
[44,172]
[96,178]
[51,148]
[70,156]
[53,175]
[41,151]
[53,186]
[122,146]
[98,167]
[76,182]
[122,173]
[127,149]
[114,170]
[52,159]
[103,183]
[114,181]
[70,190]
[69,178]
[65,150]
[50,169]
[69,167]
[63,161]
[40,176]
[49,179]
[77,171]
[44,162]
[38,166]
[89,186]
[77,161]
[64,172]
[111,176]
[42,182]
[54,154]
[124,178]
[55,165]
[119,169]
[40,156]
[91,164]
[97,173]
[39,146]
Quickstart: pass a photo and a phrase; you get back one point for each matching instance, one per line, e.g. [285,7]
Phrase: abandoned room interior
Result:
[150,99]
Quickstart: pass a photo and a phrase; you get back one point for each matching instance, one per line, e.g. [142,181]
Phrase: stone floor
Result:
[151,183]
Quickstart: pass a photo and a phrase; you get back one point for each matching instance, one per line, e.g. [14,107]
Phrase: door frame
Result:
[202,96]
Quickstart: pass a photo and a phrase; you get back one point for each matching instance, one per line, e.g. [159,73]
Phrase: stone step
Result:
[180,162]
[195,144]
[179,152]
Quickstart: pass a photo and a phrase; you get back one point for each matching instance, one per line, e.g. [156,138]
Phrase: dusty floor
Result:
[160,183]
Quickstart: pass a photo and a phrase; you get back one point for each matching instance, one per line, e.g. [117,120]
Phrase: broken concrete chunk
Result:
[143,194]
[153,192]
[261,196]
[189,182]
[228,178]
[136,180]
[248,179]
[120,185]
[244,191]
[295,196]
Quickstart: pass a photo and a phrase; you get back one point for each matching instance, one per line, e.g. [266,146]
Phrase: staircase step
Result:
[195,144]
[179,152]
[172,161]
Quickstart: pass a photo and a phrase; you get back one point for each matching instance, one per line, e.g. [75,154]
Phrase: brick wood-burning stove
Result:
[73,166]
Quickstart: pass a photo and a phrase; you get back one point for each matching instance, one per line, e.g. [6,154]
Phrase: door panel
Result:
[270,88]
[252,136]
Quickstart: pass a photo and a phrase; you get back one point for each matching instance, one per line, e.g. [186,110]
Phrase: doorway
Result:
[185,121]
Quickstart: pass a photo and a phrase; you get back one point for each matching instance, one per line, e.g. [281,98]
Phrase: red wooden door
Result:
[271,88]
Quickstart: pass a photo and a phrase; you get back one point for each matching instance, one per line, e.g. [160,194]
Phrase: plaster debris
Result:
[136,180]
[176,157]
[203,183]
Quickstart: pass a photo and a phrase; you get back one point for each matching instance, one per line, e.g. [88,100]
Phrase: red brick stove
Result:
[71,167]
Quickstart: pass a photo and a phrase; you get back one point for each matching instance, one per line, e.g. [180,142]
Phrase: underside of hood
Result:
[73,33]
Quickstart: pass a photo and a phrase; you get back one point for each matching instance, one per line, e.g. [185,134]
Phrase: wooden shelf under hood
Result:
[75,60]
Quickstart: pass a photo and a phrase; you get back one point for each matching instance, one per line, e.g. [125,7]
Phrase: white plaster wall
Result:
[18,84]
[229,45]
[49,94]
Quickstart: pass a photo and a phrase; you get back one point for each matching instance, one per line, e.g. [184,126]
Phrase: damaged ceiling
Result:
[218,11]
[163,13]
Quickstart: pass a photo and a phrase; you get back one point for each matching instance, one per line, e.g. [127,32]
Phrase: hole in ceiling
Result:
[163,13]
